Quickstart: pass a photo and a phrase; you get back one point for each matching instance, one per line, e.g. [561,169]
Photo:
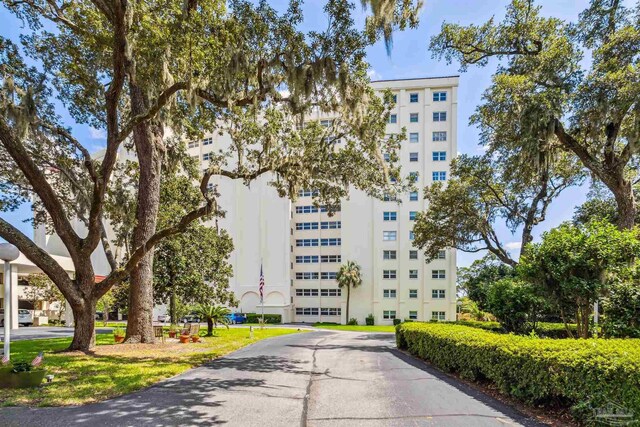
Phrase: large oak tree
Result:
[136,69]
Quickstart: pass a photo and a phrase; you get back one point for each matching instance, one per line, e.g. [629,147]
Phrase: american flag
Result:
[38,360]
[5,359]
[261,286]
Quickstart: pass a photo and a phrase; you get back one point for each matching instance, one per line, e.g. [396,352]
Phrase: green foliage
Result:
[23,366]
[542,329]
[581,374]
[349,276]
[268,318]
[573,266]
[475,280]
[370,320]
[542,101]
[515,304]
[352,321]
[621,309]
[397,321]
[213,314]
[119,331]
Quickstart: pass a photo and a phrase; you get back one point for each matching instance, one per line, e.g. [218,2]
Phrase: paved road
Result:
[318,379]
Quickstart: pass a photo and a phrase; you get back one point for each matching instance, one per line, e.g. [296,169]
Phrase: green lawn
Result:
[357,328]
[113,370]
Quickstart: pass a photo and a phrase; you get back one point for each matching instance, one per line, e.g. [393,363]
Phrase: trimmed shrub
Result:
[352,321]
[369,320]
[397,321]
[543,329]
[268,318]
[581,374]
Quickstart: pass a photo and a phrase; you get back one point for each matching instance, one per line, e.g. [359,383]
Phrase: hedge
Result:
[543,329]
[268,318]
[580,374]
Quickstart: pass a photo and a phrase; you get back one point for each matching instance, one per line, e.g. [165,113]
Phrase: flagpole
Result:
[262,295]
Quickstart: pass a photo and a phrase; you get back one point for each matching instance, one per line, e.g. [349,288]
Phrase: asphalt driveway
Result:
[320,378]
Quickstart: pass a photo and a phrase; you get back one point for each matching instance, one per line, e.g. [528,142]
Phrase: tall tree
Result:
[542,97]
[348,277]
[135,69]
[484,191]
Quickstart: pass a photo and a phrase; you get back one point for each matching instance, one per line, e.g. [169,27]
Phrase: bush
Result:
[581,374]
[352,321]
[515,304]
[268,318]
[542,329]
[370,320]
[397,321]
[622,311]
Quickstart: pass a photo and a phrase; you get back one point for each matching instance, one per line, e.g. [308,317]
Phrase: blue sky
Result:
[409,58]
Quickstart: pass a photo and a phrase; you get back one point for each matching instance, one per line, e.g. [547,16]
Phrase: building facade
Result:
[378,234]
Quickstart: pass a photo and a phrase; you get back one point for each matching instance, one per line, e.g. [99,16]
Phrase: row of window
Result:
[438,116]
[393,215]
[324,225]
[322,292]
[313,311]
[307,193]
[312,209]
[313,275]
[413,274]
[393,254]
[314,259]
[392,236]
[413,315]
[415,96]
[436,156]
[413,293]
[437,136]
[318,242]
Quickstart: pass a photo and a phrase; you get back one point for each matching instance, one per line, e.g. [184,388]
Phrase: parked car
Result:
[24,317]
[99,315]
[163,318]
[236,318]
[190,318]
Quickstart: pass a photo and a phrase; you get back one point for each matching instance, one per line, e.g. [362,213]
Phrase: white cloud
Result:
[513,245]
[373,74]
[97,133]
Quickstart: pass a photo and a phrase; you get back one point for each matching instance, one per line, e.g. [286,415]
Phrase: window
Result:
[326,123]
[413,97]
[330,225]
[330,311]
[330,292]
[395,98]
[438,293]
[440,116]
[438,315]
[413,293]
[194,144]
[207,141]
[414,137]
[306,242]
[413,196]
[306,275]
[306,259]
[413,315]
[306,209]
[388,274]
[413,176]
[331,242]
[307,193]
[439,176]
[306,225]
[439,156]
[306,292]
[389,235]
[413,157]
[331,258]
[413,118]
[393,118]
[413,254]
[389,254]
[412,215]
[439,96]
[442,254]
[328,275]
[206,156]
[438,274]
[411,235]
[413,274]
[389,314]
[389,293]
[389,216]
[306,311]
[387,157]
[388,197]
[439,136]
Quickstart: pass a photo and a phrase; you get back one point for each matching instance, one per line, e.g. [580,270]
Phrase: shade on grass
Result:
[356,328]
[112,370]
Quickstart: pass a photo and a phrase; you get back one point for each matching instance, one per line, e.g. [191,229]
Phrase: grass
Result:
[356,328]
[112,370]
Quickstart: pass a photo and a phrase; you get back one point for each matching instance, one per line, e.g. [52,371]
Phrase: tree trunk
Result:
[147,138]
[209,327]
[627,209]
[84,334]
[348,297]
[172,307]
